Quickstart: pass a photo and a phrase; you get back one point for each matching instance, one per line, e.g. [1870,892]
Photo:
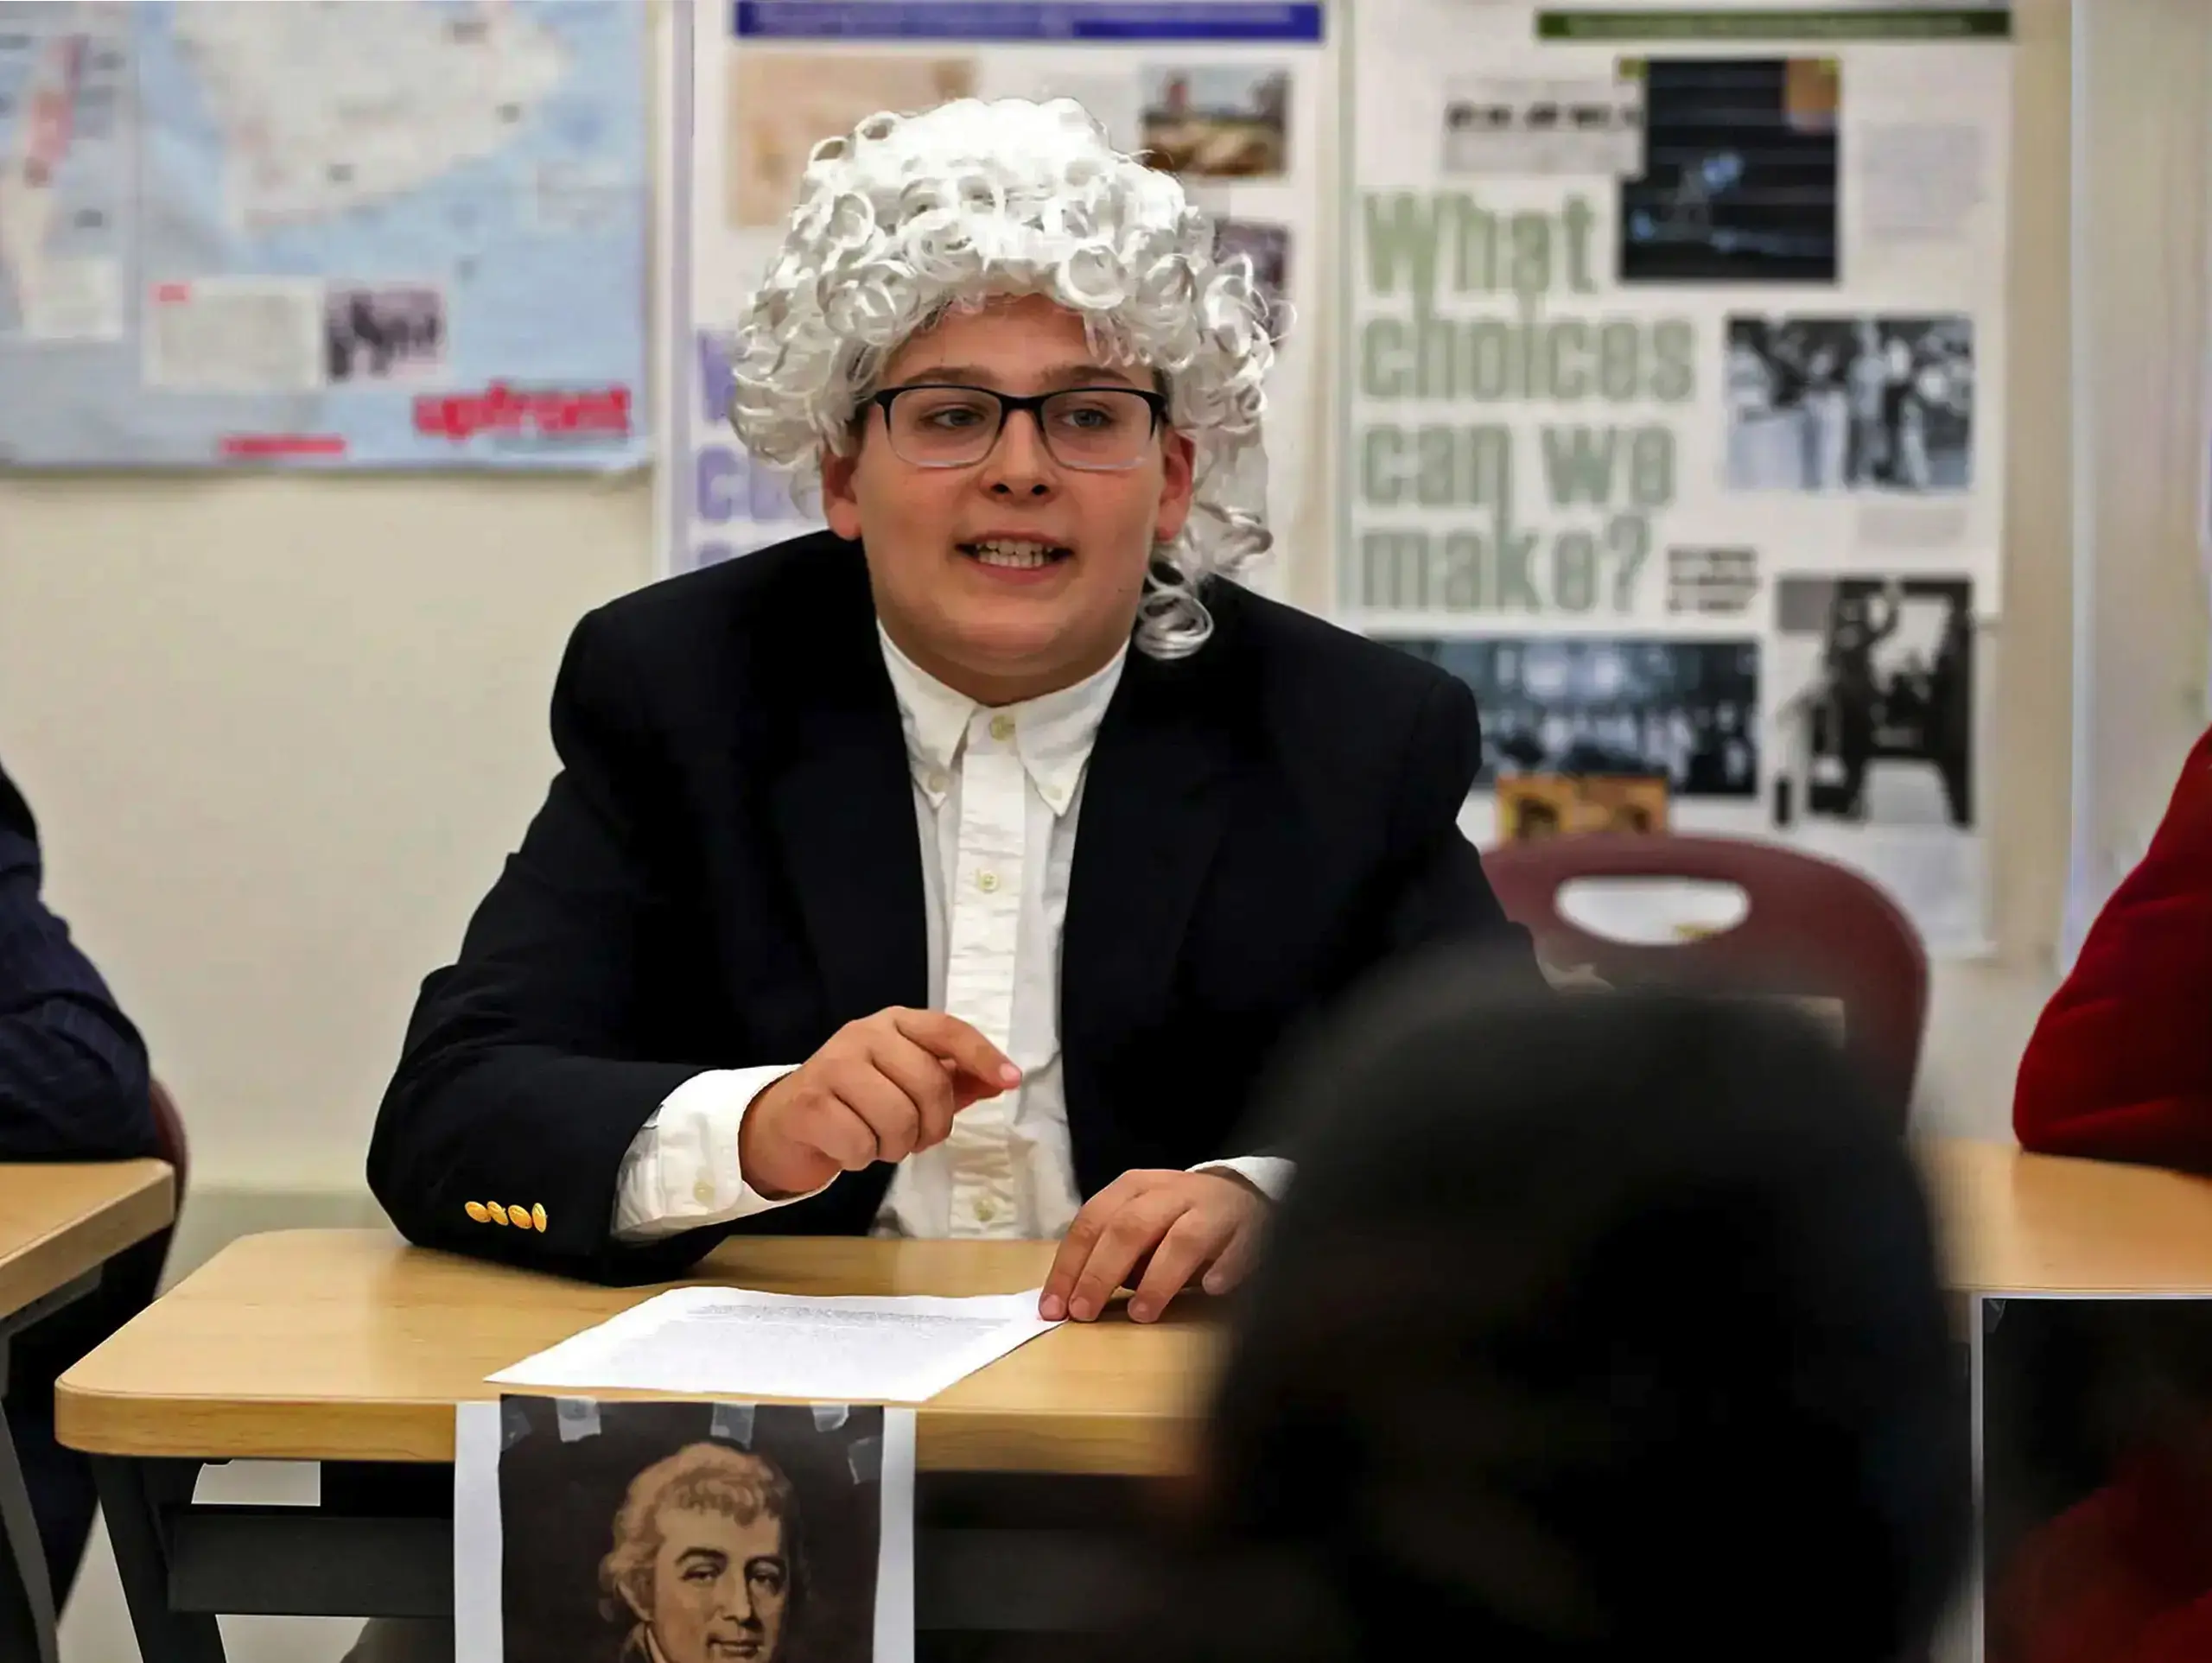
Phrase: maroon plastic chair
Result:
[169,1125]
[1814,929]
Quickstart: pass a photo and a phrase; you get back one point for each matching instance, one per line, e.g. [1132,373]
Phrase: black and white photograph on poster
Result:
[2096,1479]
[1267,246]
[1870,403]
[1703,581]
[1526,124]
[1872,680]
[1217,121]
[1682,711]
[634,1531]
[1738,183]
[383,332]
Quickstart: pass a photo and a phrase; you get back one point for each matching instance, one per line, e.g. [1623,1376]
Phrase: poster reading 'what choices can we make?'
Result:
[1672,404]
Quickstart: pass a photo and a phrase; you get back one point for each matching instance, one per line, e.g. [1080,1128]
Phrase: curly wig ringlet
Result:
[911,216]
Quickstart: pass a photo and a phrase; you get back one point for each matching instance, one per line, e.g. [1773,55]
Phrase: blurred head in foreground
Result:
[1590,1326]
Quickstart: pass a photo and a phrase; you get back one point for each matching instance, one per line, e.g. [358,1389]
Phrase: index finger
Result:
[956,1041]
[1082,1231]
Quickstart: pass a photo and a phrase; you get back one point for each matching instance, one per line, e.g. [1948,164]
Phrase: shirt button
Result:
[703,1192]
[986,881]
[937,782]
[986,1210]
[1001,728]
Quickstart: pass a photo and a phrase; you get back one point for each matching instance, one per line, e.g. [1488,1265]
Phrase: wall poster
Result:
[1673,405]
[1232,95]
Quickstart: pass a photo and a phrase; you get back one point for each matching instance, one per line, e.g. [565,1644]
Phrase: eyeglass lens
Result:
[1086,427]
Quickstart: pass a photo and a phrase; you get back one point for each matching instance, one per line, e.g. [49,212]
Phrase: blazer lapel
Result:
[844,809]
[1155,803]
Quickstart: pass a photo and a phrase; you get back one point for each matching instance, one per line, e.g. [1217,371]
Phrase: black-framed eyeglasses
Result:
[1101,429]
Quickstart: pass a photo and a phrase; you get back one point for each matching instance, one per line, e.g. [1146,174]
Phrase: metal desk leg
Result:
[27,1613]
[134,1493]
[26,1590]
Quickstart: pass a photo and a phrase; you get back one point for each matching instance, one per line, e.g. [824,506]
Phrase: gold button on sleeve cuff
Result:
[518,1216]
[477,1211]
[537,1218]
[499,1213]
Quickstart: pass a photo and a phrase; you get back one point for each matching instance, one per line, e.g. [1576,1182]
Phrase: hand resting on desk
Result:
[1156,1230]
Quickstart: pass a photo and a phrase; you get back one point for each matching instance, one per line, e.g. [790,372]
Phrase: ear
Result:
[841,504]
[1178,467]
[637,1593]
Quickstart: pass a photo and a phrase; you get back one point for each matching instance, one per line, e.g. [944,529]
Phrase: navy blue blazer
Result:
[73,1079]
[726,870]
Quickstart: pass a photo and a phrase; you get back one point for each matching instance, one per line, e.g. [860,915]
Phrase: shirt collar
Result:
[1053,733]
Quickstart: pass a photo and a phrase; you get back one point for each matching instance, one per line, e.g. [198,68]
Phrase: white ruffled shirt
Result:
[997,795]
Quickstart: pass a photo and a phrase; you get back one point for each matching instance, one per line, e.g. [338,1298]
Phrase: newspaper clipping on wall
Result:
[1672,404]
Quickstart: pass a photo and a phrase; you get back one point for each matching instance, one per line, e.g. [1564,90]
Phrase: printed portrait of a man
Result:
[698,1532]
[702,1558]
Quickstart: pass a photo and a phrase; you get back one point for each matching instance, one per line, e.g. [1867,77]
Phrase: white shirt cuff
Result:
[681,1170]
[1269,1174]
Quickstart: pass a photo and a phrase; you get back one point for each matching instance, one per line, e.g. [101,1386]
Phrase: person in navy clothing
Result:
[957,871]
[74,1086]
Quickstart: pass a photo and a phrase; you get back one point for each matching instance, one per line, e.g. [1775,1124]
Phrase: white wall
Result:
[279,734]
[2141,337]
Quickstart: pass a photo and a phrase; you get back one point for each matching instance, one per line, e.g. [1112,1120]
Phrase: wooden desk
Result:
[59,1224]
[2020,1223]
[348,1345]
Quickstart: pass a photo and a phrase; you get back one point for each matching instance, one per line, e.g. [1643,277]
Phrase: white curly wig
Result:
[911,216]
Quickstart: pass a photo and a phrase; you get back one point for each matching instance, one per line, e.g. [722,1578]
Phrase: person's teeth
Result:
[1014,554]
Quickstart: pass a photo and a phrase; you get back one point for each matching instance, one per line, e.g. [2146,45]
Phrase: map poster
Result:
[1672,412]
[1232,95]
[369,234]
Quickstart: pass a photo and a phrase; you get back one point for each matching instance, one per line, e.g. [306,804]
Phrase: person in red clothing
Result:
[2120,1577]
[2119,1067]
[2124,1575]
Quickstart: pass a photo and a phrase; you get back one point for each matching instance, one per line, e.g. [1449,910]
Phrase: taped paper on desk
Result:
[829,1349]
[681,1529]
